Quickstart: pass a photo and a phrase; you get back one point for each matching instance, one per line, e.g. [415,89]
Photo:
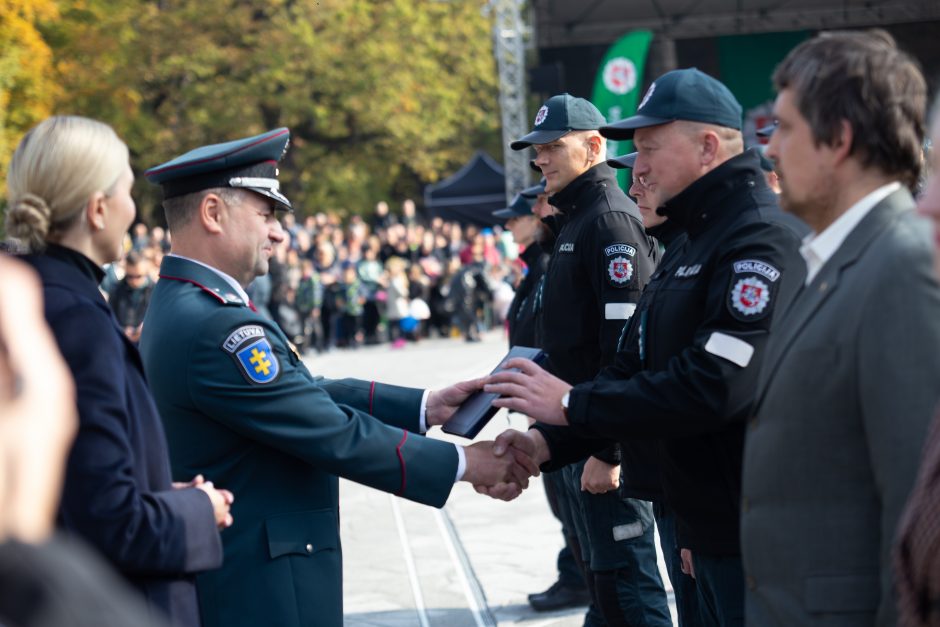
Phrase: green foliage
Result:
[381,96]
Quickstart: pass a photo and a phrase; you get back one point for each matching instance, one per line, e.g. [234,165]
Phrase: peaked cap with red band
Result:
[249,163]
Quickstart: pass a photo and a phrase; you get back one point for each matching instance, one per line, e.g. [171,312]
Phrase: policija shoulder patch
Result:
[619,259]
[253,354]
[752,289]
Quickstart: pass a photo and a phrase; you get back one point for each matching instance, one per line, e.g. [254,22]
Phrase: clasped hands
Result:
[501,468]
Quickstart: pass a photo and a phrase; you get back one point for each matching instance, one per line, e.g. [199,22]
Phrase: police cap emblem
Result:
[541,115]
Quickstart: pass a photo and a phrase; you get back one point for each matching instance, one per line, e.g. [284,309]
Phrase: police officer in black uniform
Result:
[600,262]
[528,231]
[524,226]
[691,356]
[671,238]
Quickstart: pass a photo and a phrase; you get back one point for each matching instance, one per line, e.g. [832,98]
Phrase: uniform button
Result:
[745,504]
[823,286]
[750,183]
[751,583]
[753,423]
[309,548]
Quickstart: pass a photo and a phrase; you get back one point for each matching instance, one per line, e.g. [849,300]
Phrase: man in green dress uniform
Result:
[239,405]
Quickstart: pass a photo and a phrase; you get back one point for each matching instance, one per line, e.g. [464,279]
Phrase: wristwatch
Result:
[564,404]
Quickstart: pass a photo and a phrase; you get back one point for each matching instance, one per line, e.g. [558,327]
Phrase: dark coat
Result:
[118,493]
[600,263]
[522,309]
[689,366]
[240,406]
[63,583]
[129,303]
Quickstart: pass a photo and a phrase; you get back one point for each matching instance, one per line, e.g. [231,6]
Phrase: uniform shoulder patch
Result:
[750,297]
[755,266]
[253,354]
[619,261]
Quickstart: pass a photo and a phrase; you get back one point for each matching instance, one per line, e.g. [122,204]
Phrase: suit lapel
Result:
[812,297]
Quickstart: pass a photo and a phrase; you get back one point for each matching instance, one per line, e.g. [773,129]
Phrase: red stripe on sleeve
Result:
[401,461]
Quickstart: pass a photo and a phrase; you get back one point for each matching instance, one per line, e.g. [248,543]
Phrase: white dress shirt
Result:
[818,249]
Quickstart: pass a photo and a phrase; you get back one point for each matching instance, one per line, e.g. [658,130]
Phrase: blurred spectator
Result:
[408,217]
[309,303]
[287,317]
[352,295]
[418,294]
[308,270]
[140,237]
[381,219]
[370,273]
[130,297]
[260,294]
[397,306]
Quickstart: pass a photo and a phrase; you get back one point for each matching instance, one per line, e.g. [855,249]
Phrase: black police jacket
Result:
[600,263]
[601,260]
[691,355]
[521,314]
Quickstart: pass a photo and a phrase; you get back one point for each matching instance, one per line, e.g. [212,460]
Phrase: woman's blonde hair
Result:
[56,168]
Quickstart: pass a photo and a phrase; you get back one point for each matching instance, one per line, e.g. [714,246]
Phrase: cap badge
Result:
[541,115]
[646,97]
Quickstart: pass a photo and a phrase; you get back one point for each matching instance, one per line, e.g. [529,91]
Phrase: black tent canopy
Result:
[470,195]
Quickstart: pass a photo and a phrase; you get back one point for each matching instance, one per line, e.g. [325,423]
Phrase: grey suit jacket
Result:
[850,381]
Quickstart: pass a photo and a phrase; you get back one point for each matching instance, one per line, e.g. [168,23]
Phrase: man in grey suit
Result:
[852,369]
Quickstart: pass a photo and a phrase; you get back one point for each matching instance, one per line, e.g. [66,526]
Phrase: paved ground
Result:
[470,564]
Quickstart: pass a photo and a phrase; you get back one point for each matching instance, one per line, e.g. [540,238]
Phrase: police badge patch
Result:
[619,264]
[252,352]
[619,271]
[750,298]
[541,115]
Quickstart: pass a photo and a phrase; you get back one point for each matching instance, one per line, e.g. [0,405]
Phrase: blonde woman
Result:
[69,204]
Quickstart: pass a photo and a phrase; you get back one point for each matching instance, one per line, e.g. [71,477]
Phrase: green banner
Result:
[617,87]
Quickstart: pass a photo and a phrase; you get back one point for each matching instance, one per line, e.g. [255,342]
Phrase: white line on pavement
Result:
[409,562]
[462,567]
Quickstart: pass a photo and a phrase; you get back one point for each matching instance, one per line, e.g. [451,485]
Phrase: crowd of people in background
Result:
[345,283]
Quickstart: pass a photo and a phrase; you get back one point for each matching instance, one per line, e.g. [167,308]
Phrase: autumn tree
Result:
[27,83]
[381,96]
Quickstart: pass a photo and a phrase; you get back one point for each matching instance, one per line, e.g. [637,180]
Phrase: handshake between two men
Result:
[501,468]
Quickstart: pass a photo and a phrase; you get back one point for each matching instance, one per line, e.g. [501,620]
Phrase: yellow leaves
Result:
[27,87]
[379,94]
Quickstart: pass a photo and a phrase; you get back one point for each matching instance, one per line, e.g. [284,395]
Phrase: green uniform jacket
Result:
[240,408]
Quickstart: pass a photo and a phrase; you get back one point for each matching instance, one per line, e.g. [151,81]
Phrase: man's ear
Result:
[95,211]
[710,144]
[842,142]
[595,144]
[213,213]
